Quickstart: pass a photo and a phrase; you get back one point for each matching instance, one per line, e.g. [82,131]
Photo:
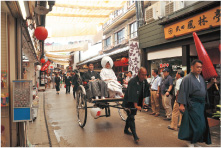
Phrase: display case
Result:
[22,100]
[42,78]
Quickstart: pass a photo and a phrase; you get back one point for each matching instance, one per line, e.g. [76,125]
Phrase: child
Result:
[108,76]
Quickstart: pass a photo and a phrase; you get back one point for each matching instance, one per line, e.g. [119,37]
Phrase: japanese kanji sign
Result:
[202,21]
[134,57]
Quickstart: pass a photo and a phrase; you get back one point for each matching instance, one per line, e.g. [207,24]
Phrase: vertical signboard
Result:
[134,57]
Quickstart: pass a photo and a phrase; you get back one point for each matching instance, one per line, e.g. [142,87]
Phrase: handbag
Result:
[64,86]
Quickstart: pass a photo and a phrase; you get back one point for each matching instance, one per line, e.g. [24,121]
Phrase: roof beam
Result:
[87,7]
[77,15]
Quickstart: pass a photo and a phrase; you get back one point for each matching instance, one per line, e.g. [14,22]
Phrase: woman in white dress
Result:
[108,76]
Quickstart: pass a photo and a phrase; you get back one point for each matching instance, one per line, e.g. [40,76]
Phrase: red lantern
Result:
[42,60]
[41,33]
[123,60]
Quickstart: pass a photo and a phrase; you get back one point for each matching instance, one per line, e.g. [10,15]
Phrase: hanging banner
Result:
[134,57]
[45,66]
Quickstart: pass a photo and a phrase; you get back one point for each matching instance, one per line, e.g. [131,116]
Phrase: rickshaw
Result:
[82,104]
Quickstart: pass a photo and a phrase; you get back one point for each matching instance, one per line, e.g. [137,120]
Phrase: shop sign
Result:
[176,67]
[164,65]
[202,21]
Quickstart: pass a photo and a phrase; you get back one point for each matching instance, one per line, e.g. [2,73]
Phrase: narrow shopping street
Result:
[102,132]
[151,67]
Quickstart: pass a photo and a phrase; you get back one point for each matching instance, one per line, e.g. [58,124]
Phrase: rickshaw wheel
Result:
[81,106]
[122,113]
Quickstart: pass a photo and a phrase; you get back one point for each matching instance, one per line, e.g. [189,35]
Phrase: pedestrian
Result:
[96,87]
[147,99]
[166,91]
[68,83]
[46,81]
[74,82]
[49,80]
[192,99]
[61,76]
[176,112]
[53,81]
[127,79]
[134,100]
[57,83]
[154,92]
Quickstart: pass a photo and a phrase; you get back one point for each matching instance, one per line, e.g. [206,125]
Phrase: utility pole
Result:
[140,21]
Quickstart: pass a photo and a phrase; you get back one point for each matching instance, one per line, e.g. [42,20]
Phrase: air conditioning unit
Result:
[169,8]
[150,14]
[155,11]
[173,6]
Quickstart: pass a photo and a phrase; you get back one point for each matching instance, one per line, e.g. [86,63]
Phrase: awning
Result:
[80,17]
[98,57]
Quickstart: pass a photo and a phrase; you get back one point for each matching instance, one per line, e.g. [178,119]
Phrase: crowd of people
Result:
[142,91]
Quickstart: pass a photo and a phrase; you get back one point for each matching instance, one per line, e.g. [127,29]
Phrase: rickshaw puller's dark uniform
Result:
[135,93]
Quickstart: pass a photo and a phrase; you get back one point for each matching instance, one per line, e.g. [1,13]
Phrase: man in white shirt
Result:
[155,84]
[176,112]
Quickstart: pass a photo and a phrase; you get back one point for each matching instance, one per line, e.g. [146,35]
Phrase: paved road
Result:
[103,132]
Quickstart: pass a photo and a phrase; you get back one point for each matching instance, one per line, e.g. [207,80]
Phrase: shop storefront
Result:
[169,42]
[116,55]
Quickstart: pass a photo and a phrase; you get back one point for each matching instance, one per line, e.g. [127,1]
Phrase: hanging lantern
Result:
[123,60]
[41,33]
[42,60]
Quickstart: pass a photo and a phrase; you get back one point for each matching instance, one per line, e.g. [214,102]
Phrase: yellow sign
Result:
[202,21]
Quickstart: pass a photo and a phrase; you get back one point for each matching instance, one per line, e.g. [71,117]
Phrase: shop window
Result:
[119,36]
[133,30]
[172,63]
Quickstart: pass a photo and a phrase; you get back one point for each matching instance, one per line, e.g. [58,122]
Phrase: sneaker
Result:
[103,97]
[96,98]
